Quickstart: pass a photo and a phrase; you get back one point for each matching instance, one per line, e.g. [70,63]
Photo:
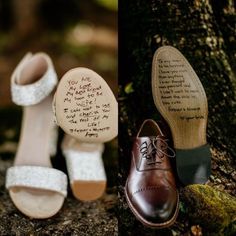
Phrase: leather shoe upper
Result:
[150,186]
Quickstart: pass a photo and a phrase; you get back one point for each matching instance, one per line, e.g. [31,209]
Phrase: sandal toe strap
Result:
[37,177]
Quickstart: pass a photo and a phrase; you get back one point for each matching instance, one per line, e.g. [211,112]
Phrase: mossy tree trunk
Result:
[204,31]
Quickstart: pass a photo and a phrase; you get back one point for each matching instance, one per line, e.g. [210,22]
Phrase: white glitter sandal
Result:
[35,188]
[86,109]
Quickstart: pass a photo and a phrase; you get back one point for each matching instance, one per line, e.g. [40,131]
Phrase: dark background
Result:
[204,31]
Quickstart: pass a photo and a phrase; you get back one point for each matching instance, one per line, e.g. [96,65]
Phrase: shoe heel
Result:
[194,165]
[85,168]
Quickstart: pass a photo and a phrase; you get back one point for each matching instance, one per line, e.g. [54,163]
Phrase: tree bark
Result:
[204,31]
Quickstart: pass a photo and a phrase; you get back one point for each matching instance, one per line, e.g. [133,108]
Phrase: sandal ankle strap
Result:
[31,94]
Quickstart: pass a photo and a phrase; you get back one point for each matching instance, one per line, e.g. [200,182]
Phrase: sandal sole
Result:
[85,106]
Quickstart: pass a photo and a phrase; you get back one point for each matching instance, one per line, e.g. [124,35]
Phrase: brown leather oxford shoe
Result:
[150,188]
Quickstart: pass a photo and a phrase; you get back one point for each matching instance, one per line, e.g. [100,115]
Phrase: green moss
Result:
[129,88]
[214,210]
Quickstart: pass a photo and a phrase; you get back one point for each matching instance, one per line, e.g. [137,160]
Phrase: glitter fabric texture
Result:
[37,177]
[85,165]
[34,93]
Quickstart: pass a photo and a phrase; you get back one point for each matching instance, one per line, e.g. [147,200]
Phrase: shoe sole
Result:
[86,109]
[180,98]
[148,223]
[85,106]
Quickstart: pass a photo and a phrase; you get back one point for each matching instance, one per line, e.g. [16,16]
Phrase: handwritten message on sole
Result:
[85,108]
[178,94]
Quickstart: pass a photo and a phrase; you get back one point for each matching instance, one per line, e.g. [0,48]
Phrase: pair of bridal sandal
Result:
[89,120]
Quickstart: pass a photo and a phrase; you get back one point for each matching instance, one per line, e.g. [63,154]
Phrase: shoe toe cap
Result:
[156,205]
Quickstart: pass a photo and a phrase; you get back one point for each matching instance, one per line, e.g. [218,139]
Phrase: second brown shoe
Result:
[150,188]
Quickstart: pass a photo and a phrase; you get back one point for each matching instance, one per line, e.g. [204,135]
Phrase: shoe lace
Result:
[154,155]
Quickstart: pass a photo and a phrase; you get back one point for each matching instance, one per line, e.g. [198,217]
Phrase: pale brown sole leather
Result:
[88,190]
[180,98]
